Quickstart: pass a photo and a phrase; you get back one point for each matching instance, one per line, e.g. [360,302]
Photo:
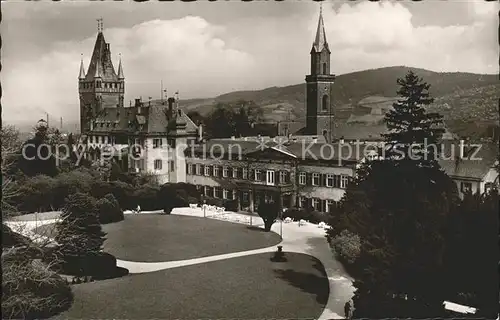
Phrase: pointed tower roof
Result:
[100,64]
[120,69]
[81,76]
[320,40]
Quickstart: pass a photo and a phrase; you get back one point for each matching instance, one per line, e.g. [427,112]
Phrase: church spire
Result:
[320,40]
[82,70]
[120,69]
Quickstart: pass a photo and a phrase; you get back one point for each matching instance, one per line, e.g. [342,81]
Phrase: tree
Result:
[37,156]
[269,212]
[235,118]
[176,195]
[398,206]
[472,238]
[196,117]
[79,232]
[413,133]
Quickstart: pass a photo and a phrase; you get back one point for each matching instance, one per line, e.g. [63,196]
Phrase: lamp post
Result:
[281,223]
[204,208]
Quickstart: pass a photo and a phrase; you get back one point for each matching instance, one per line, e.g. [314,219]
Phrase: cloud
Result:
[202,59]
[377,34]
[189,54]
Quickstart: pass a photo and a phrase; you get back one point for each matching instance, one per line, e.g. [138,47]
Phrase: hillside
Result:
[468,101]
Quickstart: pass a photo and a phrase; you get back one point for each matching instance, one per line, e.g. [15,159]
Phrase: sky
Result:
[204,49]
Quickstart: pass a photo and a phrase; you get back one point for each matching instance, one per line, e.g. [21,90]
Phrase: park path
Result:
[308,239]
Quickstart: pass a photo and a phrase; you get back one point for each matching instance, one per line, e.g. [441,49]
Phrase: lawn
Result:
[250,287]
[155,238]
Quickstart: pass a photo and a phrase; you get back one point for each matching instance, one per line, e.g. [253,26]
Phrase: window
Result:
[257,175]
[172,166]
[302,178]
[315,179]
[324,68]
[216,171]
[189,168]
[315,204]
[198,169]
[157,164]
[208,191]
[301,202]
[225,194]
[283,177]
[225,172]
[91,139]
[244,173]
[235,173]
[330,205]
[324,103]
[336,181]
[157,143]
[329,180]
[270,177]
[207,171]
[344,180]
[465,187]
[171,143]
[218,192]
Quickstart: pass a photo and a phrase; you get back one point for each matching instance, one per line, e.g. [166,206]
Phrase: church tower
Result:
[101,87]
[320,113]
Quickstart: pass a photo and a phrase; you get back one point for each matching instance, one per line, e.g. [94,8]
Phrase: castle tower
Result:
[101,87]
[320,112]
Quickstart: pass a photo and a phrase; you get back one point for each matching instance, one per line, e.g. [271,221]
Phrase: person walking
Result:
[138,210]
[347,310]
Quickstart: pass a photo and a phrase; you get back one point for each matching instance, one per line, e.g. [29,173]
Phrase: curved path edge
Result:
[295,239]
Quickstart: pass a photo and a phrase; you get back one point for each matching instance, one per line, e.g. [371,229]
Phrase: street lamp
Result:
[281,223]
[204,208]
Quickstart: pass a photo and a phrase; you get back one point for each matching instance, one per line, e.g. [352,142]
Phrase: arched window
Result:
[324,68]
[324,103]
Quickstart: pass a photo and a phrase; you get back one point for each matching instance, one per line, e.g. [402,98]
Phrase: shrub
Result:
[123,193]
[109,210]
[296,214]
[215,202]
[79,232]
[317,217]
[30,290]
[231,205]
[268,212]
[100,189]
[175,195]
[35,194]
[69,183]
[147,197]
[346,246]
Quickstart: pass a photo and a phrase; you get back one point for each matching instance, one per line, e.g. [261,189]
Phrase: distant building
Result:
[319,110]
[155,130]
[471,166]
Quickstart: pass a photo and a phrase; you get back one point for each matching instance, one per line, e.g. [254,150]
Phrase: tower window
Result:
[324,103]
[324,68]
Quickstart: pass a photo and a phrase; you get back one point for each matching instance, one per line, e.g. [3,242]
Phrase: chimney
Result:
[170,103]
[200,132]
[461,146]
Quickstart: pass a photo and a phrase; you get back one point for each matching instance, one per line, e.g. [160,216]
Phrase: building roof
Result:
[120,70]
[81,76]
[476,162]
[100,64]
[320,41]
[150,119]
[295,150]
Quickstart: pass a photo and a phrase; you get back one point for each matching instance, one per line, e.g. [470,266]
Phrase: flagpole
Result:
[161,92]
